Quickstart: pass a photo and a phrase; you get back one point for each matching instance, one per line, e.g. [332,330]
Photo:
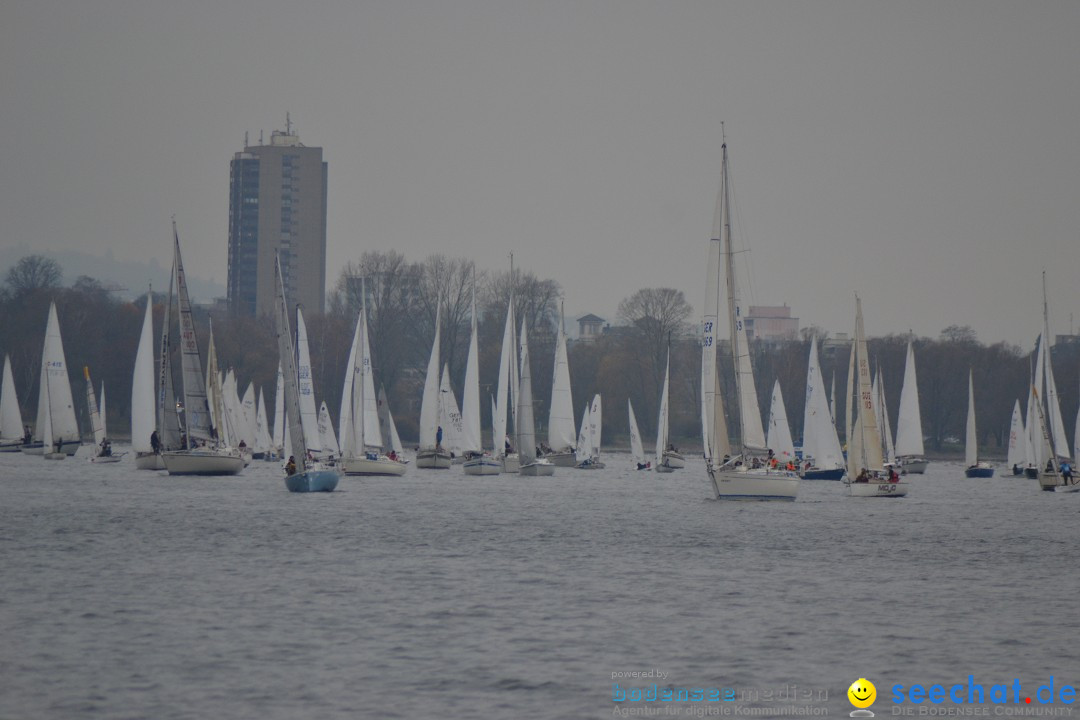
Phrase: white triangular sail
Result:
[820,443]
[864,445]
[561,433]
[449,414]
[596,418]
[507,375]
[881,413]
[525,424]
[583,451]
[662,419]
[779,438]
[263,443]
[309,414]
[11,424]
[277,437]
[388,429]
[429,404]
[327,440]
[1016,457]
[351,437]
[143,405]
[637,451]
[909,437]
[971,438]
[248,414]
[470,398]
[95,415]
[55,397]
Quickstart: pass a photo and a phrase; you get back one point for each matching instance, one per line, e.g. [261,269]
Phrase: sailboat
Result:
[263,443]
[450,418]
[881,412]
[327,438]
[277,436]
[561,434]
[303,475]
[866,463]
[732,477]
[143,402]
[909,436]
[12,436]
[104,452]
[57,429]
[1016,457]
[822,456]
[505,392]
[973,467]
[667,458]
[1051,448]
[588,445]
[637,451]
[779,439]
[201,453]
[362,436]
[530,464]
[388,429]
[477,462]
[432,455]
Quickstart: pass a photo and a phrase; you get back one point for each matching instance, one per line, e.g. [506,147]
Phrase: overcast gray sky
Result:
[925,154]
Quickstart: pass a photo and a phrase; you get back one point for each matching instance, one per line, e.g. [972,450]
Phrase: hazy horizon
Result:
[922,155]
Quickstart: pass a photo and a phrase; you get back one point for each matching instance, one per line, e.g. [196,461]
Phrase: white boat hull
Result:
[149,461]
[562,459]
[878,489]
[540,468]
[432,460]
[366,466]
[673,461]
[754,484]
[483,466]
[203,462]
[914,466]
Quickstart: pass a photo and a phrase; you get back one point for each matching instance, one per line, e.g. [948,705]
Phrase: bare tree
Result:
[33,272]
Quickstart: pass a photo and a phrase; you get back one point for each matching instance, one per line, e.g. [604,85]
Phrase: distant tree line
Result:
[626,362]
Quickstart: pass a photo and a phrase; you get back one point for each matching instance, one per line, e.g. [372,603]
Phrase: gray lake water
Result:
[132,594]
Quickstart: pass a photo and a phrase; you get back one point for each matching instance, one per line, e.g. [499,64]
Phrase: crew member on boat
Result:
[290,467]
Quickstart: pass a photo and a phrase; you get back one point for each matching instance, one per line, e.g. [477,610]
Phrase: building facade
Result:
[771,324]
[277,206]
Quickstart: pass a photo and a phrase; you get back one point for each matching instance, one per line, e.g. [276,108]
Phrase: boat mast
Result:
[732,300]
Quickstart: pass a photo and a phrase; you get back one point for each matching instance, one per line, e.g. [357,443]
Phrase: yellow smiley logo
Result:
[862,693]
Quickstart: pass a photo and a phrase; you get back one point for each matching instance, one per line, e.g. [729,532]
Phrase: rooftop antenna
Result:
[288,125]
[260,137]
[245,138]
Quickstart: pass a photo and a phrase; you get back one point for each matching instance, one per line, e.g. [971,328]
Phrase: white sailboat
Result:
[821,447]
[431,454]
[450,418]
[277,437]
[143,400]
[327,438]
[1051,446]
[909,435]
[732,478]
[1016,458]
[867,476]
[362,437]
[309,413]
[973,467]
[57,429]
[388,429]
[301,473]
[263,443]
[531,465]
[104,452]
[667,457]
[561,433]
[779,434]
[202,452]
[505,392]
[588,446]
[12,435]
[477,462]
[637,451]
[881,412]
